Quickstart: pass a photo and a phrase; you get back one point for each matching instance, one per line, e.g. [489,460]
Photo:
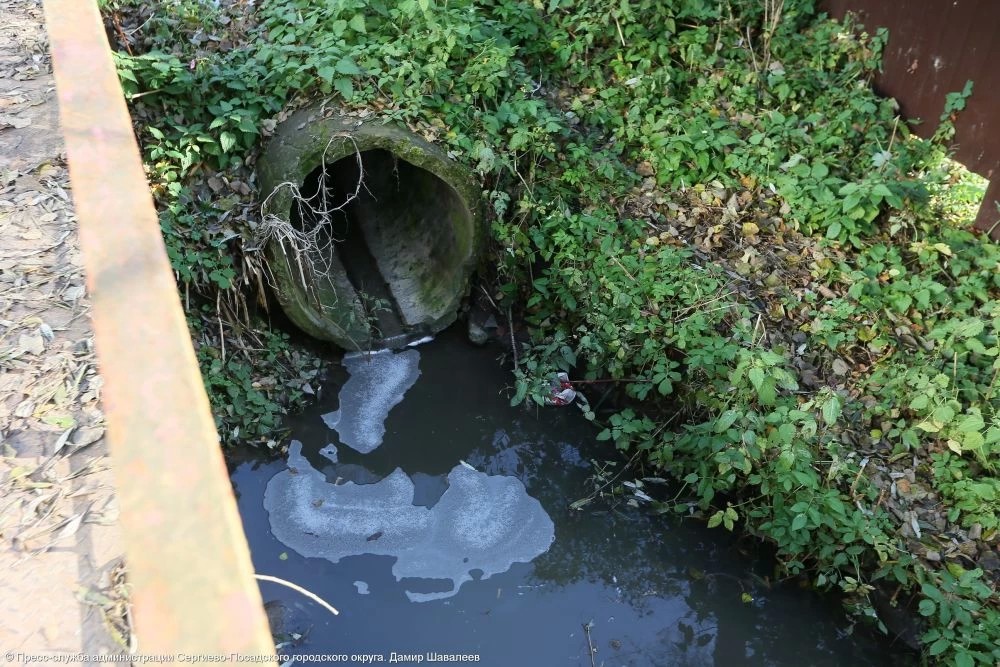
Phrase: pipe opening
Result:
[371,232]
[394,229]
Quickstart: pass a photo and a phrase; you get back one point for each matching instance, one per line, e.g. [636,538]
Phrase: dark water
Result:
[658,590]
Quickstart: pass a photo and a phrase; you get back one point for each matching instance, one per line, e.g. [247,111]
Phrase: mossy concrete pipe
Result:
[400,229]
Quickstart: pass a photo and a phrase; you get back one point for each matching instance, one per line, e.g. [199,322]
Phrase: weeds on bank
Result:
[703,200]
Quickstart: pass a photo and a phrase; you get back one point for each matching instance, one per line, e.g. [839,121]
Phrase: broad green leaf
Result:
[943,414]
[940,646]
[881,191]
[345,87]
[326,73]
[984,490]
[357,23]
[973,440]
[522,391]
[963,659]
[831,410]
[971,423]
[787,459]
[725,420]
[971,327]
[346,65]
[931,592]
[227,140]
[767,394]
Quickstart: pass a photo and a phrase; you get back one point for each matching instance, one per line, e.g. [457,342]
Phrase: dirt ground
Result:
[62,586]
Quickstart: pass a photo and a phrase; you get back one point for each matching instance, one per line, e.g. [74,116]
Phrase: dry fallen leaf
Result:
[16,122]
[31,343]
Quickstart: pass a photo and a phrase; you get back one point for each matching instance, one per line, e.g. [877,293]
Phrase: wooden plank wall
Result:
[934,47]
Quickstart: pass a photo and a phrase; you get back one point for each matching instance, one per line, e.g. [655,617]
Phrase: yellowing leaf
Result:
[943,249]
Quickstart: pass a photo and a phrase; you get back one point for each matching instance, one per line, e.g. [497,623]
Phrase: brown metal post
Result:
[188,561]
[989,215]
[934,48]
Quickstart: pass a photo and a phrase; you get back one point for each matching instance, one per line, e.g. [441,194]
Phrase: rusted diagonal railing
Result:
[188,562]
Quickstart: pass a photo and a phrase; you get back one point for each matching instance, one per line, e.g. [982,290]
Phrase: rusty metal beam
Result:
[188,561]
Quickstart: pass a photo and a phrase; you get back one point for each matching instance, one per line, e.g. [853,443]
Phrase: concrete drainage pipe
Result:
[371,232]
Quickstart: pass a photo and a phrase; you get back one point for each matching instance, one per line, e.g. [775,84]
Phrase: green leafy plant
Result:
[702,205]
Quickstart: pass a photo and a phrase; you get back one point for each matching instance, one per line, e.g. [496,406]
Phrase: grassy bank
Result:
[704,201]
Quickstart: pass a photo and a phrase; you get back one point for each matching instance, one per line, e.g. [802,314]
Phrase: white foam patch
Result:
[481,522]
[420,341]
[362,587]
[378,382]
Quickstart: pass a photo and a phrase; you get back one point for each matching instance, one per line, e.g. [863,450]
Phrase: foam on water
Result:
[420,341]
[378,382]
[481,522]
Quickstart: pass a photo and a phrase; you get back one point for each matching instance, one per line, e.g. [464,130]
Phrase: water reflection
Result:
[654,591]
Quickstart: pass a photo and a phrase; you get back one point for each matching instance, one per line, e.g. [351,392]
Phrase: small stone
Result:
[975,531]
[934,556]
[87,435]
[989,561]
[477,334]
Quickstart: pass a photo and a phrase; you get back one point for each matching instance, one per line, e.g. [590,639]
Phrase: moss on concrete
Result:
[420,214]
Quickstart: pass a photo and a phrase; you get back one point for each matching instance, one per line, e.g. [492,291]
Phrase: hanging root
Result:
[309,253]
[312,247]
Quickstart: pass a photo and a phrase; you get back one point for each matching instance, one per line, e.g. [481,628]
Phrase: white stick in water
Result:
[299,589]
